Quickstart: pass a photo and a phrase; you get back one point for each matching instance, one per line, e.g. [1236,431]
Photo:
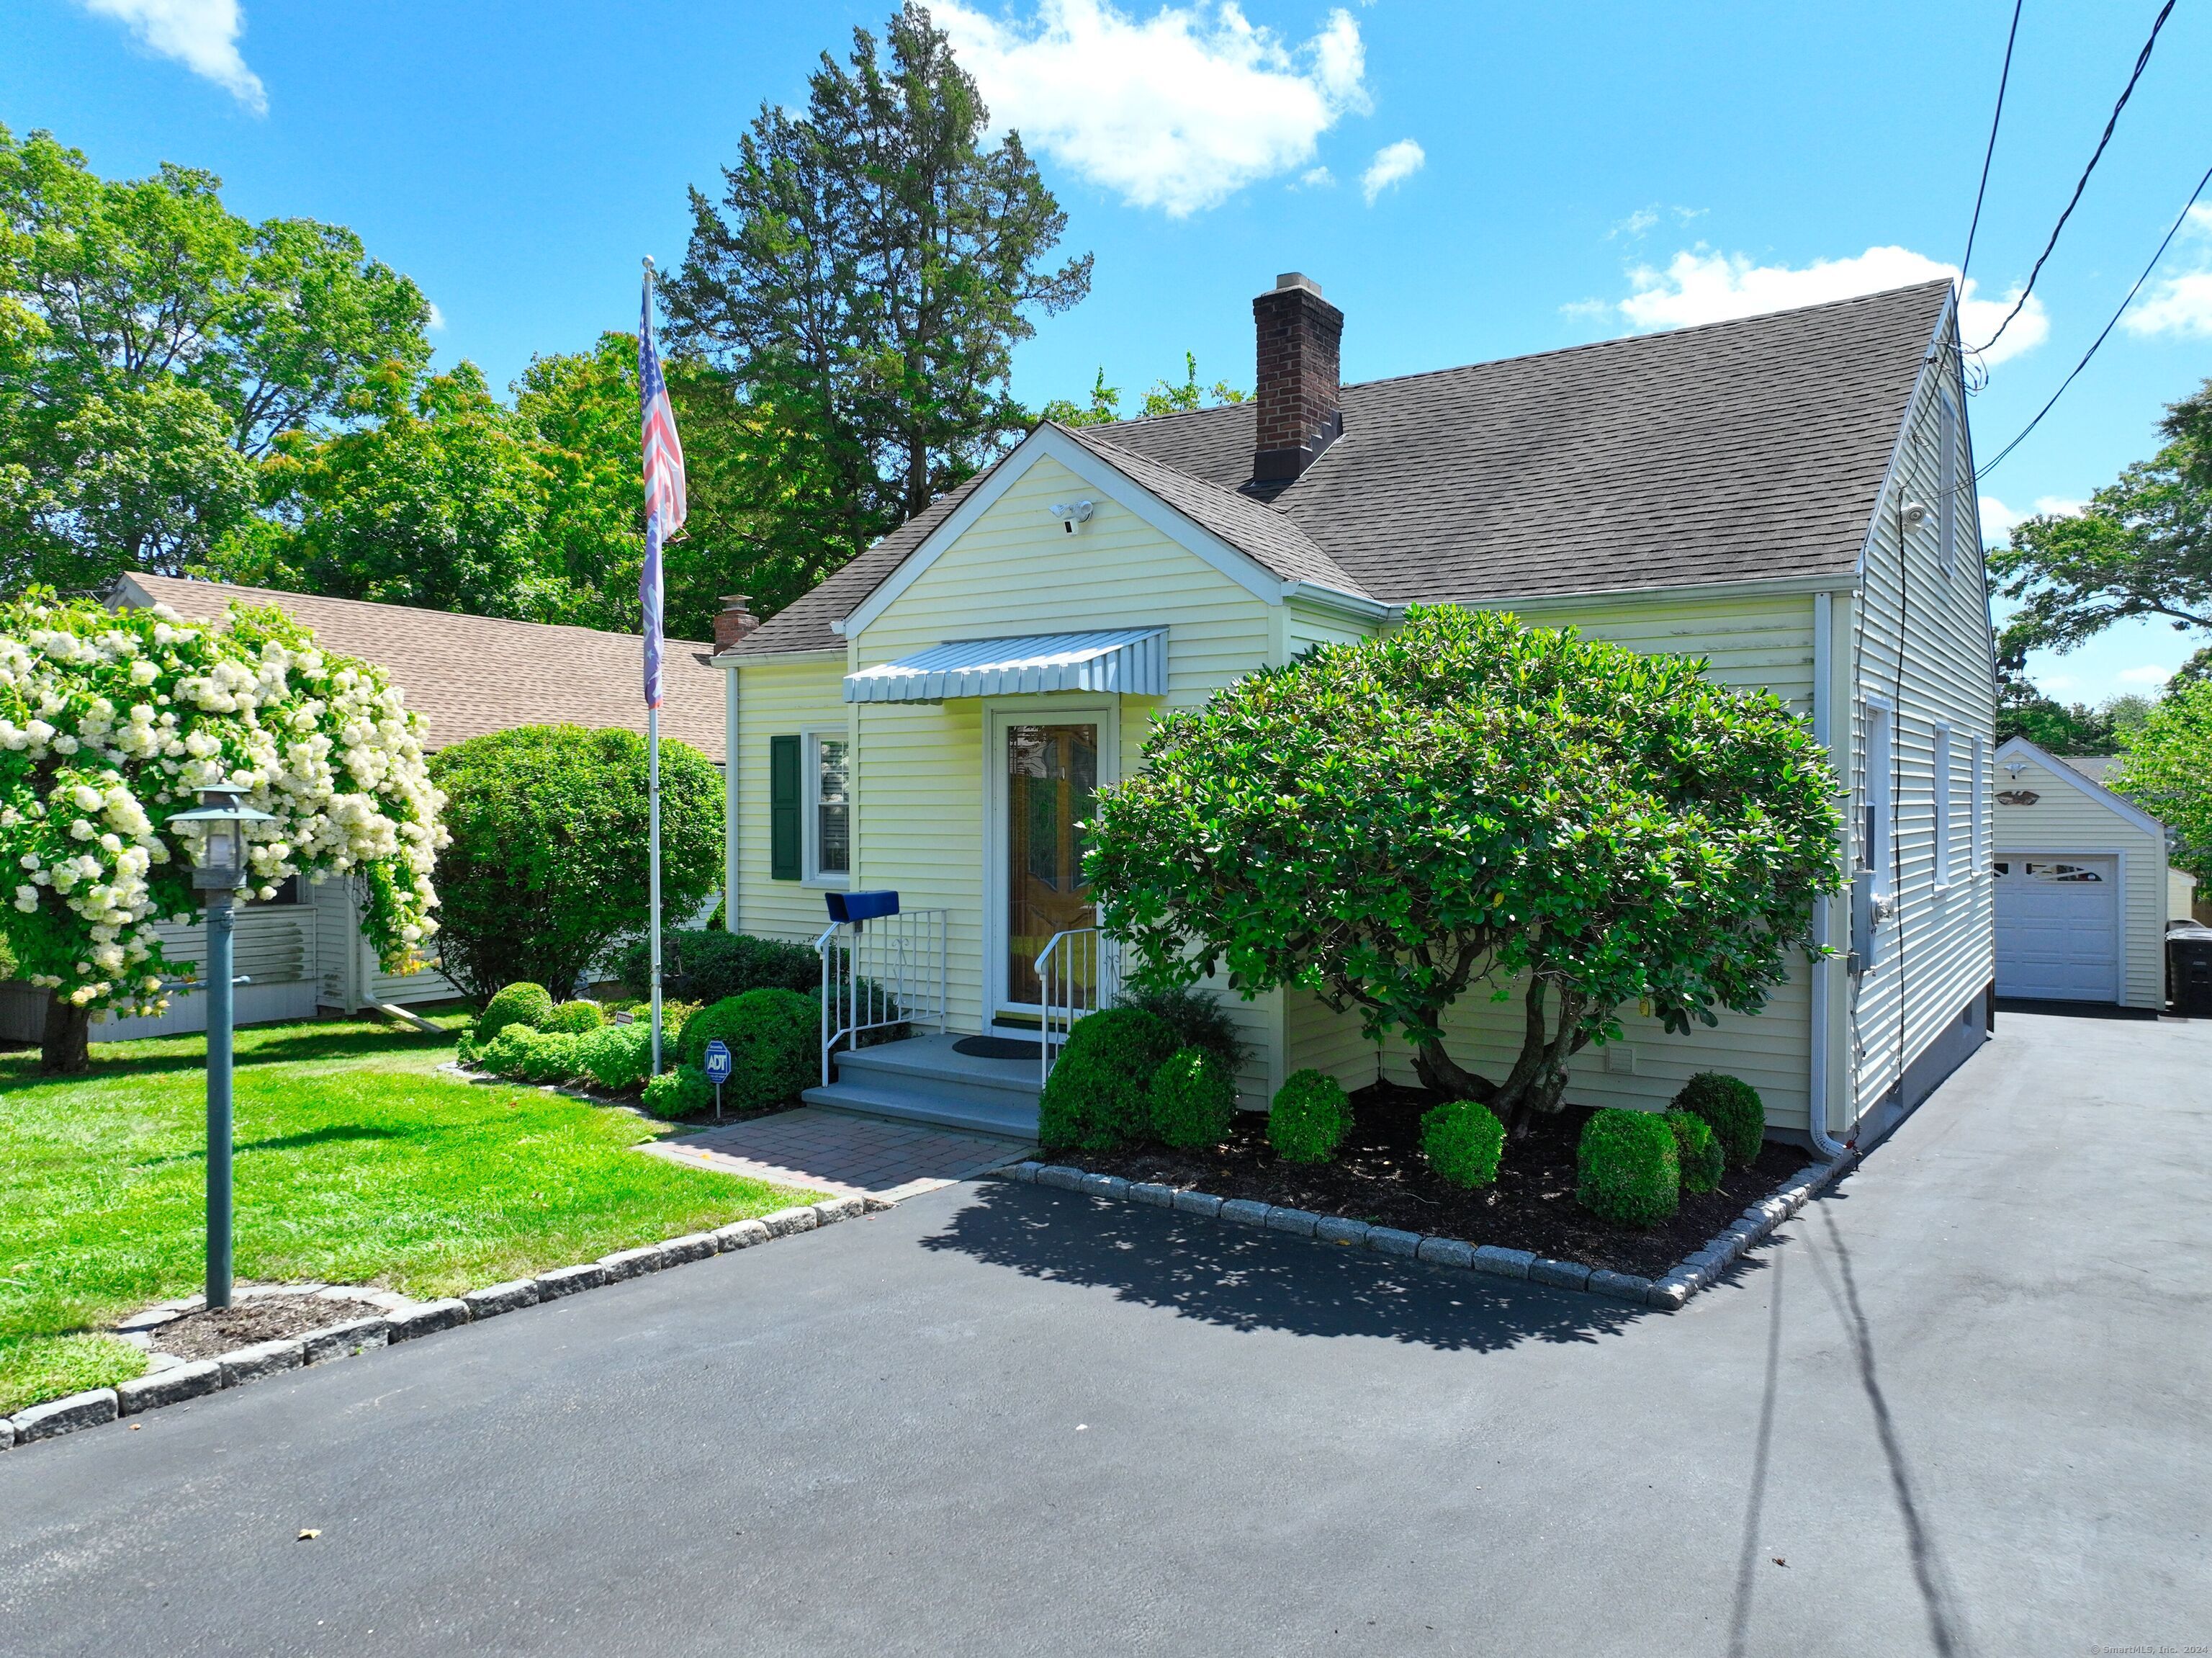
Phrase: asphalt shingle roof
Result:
[468,675]
[1738,451]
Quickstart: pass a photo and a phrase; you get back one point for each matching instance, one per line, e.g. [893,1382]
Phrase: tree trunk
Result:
[66,1049]
[1441,1074]
[1538,1082]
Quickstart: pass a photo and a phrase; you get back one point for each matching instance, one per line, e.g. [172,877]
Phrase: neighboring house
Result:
[2083,889]
[1787,496]
[467,675]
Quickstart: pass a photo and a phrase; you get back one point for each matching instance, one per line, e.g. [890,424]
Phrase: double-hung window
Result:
[810,808]
[830,838]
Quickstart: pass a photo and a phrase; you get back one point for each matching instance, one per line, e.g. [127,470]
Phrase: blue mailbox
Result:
[861,906]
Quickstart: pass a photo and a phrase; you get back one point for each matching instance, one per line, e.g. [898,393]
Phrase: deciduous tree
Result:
[1470,804]
[110,722]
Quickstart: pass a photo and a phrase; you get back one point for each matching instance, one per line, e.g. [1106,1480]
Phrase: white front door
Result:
[1046,764]
[2057,925]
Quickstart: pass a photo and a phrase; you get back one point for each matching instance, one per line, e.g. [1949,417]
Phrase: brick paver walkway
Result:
[832,1152]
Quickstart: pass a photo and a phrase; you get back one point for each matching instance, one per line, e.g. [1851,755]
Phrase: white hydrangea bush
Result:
[112,722]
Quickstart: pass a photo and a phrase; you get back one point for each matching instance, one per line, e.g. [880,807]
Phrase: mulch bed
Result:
[212,1332]
[1380,1177]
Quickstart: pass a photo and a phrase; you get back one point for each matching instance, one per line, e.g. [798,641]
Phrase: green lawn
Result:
[356,1162]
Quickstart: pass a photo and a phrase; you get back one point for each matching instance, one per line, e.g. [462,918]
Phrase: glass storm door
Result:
[1052,779]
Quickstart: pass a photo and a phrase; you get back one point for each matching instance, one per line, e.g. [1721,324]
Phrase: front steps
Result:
[923,1080]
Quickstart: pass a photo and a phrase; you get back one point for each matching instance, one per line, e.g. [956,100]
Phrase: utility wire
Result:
[2172,230]
[2004,77]
[2143,60]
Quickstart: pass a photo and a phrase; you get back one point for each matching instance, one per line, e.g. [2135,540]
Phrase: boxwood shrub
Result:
[1097,1097]
[1309,1118]
[1192,1102]
[1463,1141]
[615,1057]
[519,1004]
[505,1054]
[1732,1109]
[1627,1169]
[1197,1019]
[548,1056]
[575,1018]
[1700,1150]
[705,965]
[684,1092]
[775,1039]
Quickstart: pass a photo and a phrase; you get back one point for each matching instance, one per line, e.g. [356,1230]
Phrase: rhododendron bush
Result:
[110,722]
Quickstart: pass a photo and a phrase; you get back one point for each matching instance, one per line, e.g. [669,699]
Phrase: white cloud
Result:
[1179,110]
[1318,178]
[2145,676]
[1393,165]
[1997,518]
[2180,304]
[1635,224]
[437,323]
[1701,284]
[201,35]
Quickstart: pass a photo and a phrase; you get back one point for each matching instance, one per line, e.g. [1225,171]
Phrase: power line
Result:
[2142,59]
[2172,230]
[2004,77]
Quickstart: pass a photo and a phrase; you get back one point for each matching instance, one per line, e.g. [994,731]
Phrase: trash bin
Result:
[2189,969]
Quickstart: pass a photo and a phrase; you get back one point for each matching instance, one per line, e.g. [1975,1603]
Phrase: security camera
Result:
[1072,513]
[1916,512]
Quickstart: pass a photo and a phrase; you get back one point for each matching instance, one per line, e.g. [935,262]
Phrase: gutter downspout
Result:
[730,799]
[1816,1117]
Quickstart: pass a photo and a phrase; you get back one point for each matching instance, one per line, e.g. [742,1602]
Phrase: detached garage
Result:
[2082,885]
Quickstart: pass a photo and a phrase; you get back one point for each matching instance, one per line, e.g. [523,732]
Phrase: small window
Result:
[831,825]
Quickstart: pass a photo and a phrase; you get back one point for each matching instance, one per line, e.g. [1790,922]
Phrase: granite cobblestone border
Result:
[171,1380]
[1669,1291]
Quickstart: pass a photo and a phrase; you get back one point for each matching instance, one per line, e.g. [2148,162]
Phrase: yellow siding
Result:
[919,777]
[777,699]
[1923,643]
[1749,644]
[2066,819]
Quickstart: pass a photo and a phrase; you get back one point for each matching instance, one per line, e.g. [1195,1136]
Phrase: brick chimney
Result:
[733,621]
[1300,413]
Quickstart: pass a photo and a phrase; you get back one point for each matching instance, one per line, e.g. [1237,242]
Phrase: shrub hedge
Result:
[520,1003]
[1734,1111]
[1463,1141]
[1097,1097]
[1309,1118]
[1192,1102]
[1197,1019]
[1698,1149]
[704,965]
[576,1018]
[775,1041]
[684,1092]
[1626,1168]
[616,1057]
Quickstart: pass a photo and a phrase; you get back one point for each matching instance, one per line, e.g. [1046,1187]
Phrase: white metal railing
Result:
[1079,972]
[876,974]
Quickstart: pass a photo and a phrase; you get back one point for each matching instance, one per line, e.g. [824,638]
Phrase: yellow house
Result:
[1788,497]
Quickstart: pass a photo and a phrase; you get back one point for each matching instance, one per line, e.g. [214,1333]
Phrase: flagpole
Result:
[653,786]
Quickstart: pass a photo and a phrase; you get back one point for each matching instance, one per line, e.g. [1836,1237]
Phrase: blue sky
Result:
[1466,180]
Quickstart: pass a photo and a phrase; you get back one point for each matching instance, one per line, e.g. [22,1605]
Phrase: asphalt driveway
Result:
[1959,1406]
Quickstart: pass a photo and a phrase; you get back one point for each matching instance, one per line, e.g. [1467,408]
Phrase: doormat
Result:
[996,1047]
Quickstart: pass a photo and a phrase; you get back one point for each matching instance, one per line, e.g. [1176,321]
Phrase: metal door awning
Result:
[1133,661]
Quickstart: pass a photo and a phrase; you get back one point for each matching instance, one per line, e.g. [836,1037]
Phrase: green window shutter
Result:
[783,809]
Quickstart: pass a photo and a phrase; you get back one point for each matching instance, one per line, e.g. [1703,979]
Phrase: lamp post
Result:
[218,850]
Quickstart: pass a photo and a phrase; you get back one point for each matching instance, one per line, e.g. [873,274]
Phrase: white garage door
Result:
[2058,928]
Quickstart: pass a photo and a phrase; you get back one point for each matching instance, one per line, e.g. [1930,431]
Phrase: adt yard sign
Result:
[718,1069]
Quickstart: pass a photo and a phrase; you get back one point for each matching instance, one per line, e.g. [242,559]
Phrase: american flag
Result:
[663,488]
